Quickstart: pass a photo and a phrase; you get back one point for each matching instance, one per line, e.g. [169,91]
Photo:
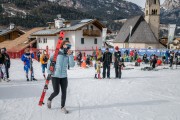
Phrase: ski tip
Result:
[41,103]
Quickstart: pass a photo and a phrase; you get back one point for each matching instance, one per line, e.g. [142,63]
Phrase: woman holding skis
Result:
[59,76]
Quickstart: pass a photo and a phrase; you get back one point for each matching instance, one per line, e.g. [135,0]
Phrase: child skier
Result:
[98,69]
[44,60]
[27,59]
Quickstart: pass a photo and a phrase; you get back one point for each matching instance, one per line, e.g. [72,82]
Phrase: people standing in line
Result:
[59,76]
[28,64]
[107,60]
[7,62]
[2,66]
[44,59]
[117,55]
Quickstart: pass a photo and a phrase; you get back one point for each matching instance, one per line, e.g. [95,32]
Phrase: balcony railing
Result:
[94,33]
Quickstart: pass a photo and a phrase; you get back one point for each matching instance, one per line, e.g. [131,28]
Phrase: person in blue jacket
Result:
[59,76]
[27,59]
[167,54]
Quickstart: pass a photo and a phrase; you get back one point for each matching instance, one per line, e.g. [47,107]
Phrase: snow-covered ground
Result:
[139,95]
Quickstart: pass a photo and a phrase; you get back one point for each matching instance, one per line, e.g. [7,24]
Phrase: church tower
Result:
[152,15]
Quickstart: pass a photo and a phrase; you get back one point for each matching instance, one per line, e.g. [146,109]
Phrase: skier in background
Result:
[107,60]
[79,58]
[154,61]
[44,59]
[120,65]
[171,58]
[38,55]
[98,69]
[2,66]
[117,55]
[27,59]
[7,62]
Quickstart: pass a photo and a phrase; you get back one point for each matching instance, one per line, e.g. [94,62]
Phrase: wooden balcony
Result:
[94,33]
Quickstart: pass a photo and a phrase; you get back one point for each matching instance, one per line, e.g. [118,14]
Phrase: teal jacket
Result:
[61,65]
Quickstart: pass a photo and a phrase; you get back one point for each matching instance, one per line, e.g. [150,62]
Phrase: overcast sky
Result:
[142,2]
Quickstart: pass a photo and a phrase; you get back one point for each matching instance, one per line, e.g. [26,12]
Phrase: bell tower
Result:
[152,15]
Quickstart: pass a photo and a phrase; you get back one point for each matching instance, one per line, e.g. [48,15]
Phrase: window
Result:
[95,41]
[82,40]
[156,12]
[146,12]
[87,27]
[154,1]
[45,40]
[147,1]
[39,40]
[67,39]
[91,27]
[152,12]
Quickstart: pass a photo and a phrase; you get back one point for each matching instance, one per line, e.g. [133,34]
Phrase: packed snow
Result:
[139,95]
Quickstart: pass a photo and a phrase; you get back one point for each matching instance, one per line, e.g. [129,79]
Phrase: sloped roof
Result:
[125,30]
[75,25]
[141,32]
[6,31]
[20,42]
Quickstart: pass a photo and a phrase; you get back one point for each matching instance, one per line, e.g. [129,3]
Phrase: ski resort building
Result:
[85,35]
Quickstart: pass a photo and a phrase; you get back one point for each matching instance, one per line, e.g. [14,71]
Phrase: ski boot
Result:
[64,110]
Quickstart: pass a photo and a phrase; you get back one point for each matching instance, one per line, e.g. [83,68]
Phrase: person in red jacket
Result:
[131,55]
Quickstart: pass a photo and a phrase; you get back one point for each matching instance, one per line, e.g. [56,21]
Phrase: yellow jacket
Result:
[42,59]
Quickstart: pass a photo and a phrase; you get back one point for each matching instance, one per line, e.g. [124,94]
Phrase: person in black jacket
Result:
[171,59]
[107,60]
[120,65]
[2,67]
[7,62]
[154,61]
[117,55]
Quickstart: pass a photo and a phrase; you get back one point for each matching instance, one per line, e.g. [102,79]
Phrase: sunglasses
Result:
[68,46]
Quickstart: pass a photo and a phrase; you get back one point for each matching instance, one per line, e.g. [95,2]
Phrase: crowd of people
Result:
[105,60]
[101,61]
[65,59]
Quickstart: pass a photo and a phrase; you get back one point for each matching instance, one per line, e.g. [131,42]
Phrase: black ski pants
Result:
[57,83]
[106,65]
[116,69]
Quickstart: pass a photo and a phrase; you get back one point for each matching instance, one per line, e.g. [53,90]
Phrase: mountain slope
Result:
[34,13]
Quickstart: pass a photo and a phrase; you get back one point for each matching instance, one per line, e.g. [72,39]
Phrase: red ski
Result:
[52,65]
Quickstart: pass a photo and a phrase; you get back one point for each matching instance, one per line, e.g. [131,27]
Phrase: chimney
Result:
[59,22]
[12,26]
